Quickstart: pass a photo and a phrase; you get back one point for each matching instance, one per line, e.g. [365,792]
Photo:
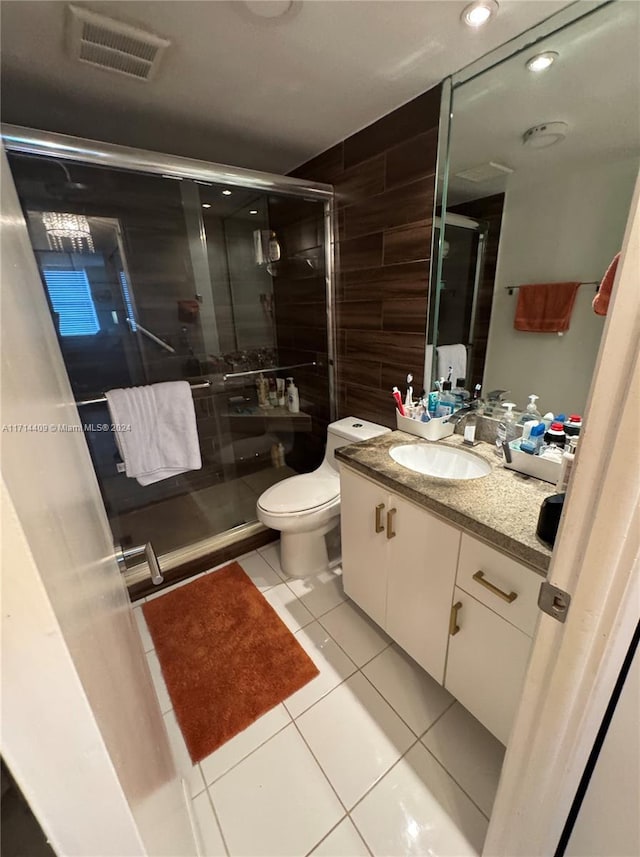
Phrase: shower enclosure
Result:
[453,307]
[158,268]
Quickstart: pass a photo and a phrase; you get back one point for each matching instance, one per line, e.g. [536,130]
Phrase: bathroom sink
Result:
[443,462]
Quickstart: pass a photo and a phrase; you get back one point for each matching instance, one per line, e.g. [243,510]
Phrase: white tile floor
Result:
[372,757]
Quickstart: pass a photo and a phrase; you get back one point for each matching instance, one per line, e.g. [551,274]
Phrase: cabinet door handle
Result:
[506,596]
[453,619]
[391,533]
[379,524]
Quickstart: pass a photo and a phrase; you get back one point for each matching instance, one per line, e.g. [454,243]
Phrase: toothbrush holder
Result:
[435,429]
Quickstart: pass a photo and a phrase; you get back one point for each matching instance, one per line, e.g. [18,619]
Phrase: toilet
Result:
[305,508]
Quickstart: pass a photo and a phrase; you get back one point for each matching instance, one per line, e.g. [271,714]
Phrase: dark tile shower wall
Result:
[300,315]
[488,209]
[384,178]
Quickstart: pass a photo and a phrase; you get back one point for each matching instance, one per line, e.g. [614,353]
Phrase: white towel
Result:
[163,438]
[454,356]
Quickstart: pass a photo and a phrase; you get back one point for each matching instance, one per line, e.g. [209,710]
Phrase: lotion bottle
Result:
[293,397]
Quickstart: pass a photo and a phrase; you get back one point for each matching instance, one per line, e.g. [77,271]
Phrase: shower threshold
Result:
[138,577]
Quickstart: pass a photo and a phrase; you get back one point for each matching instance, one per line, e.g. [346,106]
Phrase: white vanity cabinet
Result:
[463,610]
[399,565]
[493,618]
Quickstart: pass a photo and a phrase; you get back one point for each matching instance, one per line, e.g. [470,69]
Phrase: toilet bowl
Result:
[305,508]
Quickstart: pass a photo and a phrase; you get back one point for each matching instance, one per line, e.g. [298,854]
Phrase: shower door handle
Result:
[149,554]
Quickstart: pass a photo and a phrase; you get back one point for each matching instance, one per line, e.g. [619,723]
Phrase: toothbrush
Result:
[408,401]
[397,396]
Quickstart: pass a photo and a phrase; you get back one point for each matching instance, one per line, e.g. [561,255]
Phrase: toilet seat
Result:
[300,495]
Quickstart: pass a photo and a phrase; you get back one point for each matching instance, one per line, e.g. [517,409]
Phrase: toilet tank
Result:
[346,431]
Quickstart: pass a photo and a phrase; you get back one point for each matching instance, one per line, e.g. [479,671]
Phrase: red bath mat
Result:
[225,655]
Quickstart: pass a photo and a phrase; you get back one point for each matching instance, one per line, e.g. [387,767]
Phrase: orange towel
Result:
[545,307]
[601,301]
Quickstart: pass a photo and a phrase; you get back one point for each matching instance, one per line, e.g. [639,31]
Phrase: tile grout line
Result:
[438,719]
[324,774]
[250,753]
[450,775]
[326,836]
[215,815]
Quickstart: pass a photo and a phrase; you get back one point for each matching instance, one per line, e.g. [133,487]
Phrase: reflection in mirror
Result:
[544,207]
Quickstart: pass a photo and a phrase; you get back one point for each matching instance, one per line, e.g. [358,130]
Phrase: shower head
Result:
[61,188]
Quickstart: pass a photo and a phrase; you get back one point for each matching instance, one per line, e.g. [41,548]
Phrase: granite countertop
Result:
[502,508]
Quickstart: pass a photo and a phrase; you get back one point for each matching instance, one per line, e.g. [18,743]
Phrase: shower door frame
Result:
[32,141]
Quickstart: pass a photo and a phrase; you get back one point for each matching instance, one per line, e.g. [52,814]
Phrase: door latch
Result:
[554,601]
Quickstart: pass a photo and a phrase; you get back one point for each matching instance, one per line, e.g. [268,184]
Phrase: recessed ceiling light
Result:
[269,8]
[206,205]
[478,13]
[226,193]
[541,62]
[547,134]
[253,211]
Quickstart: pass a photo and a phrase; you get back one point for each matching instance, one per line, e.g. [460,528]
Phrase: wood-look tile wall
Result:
[384,178]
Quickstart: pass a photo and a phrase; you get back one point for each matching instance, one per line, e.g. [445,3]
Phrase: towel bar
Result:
[595,283]
[102,399]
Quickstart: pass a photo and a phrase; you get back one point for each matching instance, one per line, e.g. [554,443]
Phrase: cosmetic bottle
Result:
[274,248]
[531,444]
[555,435]
[568,457]
[273,393]
[573,425]
[262,388]
[293,397]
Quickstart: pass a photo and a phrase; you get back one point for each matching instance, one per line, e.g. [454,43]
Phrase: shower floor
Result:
[179,521]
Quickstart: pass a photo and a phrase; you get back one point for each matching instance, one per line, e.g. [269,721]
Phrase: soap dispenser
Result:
[506,431]
[531,413]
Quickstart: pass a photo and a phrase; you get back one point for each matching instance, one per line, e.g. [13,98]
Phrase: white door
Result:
[82,729]
[574,665]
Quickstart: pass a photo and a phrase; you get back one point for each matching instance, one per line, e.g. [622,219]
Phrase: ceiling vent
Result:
[484,172]
[113,45]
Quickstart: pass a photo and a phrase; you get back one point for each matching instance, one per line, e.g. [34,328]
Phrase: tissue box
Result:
[533,465]
[435,429]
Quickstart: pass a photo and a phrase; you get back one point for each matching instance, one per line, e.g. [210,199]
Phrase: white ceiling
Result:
[241,90]
[594,86]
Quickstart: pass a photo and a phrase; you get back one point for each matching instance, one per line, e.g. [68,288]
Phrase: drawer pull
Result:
[453,619]
[379,524]
[506,596]
[391,533]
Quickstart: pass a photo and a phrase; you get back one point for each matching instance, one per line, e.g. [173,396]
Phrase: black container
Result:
[555,434]
[549,518]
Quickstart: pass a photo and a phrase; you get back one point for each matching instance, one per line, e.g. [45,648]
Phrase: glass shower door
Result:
[153,279]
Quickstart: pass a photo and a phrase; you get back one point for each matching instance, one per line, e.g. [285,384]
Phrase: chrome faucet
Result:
[461,413]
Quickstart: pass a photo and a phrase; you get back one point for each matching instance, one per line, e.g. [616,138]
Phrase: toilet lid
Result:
[300,493]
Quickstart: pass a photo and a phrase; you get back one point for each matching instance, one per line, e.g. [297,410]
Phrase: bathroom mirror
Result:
[536,207]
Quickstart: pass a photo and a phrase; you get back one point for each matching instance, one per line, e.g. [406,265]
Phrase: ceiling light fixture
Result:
[206,205]
[547,134]
[479,13]
[64,226]
[226,193]
[541,62]
[269,9]
[253,211]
